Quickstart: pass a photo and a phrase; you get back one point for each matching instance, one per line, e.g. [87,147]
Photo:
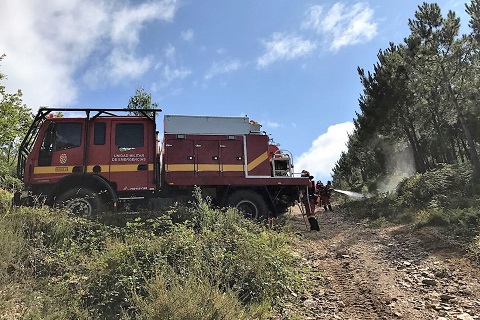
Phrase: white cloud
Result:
[314,19]
[324,152]
[218,68]
[187,35]
[341,25]
[170,52]
[118,66]
[48,43]
[284,47]
[272,124]
[170,74]
[128,21]
[123,64]
[169,70]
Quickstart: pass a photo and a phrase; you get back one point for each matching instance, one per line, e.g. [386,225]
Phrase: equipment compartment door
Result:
[180,159]
[208,158]
[232,158]
[129,156]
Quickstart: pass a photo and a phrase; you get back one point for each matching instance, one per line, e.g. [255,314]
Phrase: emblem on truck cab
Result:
[63,158]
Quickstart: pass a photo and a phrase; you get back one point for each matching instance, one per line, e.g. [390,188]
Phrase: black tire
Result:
[80,201]
[250,203]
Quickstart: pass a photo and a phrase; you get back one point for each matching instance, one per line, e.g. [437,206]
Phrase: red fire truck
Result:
[104,158]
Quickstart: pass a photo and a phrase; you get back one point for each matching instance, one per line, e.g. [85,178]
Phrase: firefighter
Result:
[327,192]
[320,188]
[308,198]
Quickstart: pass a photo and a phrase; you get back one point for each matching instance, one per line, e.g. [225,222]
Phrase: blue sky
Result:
[290,65]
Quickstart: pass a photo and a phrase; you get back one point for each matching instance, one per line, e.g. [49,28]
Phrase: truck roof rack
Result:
[149,113]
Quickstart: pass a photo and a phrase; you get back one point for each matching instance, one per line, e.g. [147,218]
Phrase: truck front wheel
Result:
[249,202]
[80,201]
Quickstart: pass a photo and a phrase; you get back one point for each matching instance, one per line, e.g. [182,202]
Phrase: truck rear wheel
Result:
[80,201]
[250,203]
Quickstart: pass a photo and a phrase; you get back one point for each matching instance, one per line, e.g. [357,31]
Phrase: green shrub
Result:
[243,256]
[438,217]
[433,196]
[383,205]
[5,201]
[10,183]
[113,274]
[464,219]
[56,265]
[437,187]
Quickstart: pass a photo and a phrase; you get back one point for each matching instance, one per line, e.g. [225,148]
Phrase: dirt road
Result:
[359,272]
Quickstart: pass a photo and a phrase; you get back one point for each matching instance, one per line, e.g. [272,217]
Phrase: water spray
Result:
[352,194]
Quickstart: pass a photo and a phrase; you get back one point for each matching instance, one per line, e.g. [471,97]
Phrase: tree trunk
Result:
[472,149]
[419,164]
[452,147]
[445,149]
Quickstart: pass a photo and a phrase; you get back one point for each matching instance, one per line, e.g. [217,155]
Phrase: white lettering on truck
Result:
[126,157]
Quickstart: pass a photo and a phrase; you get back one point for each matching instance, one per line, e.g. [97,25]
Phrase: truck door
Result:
[99,156]
[129,145]
[61,151]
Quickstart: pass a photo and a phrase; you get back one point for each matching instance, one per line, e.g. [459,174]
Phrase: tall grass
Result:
[188,297]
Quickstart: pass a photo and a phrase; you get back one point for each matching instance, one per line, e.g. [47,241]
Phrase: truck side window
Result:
[99,133]
[129,136]
[45,154]
[47,143]
[67,135]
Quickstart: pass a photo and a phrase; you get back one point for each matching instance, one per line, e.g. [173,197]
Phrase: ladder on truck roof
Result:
[43,113]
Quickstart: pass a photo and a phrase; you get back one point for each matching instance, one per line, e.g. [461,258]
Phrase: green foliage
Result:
[241,255]
[141,100]
[437,188]
[419,104]
[214,265]
[5,200]
[10,183]
[30,240]
[15,120]
[375,207]
[447,197]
